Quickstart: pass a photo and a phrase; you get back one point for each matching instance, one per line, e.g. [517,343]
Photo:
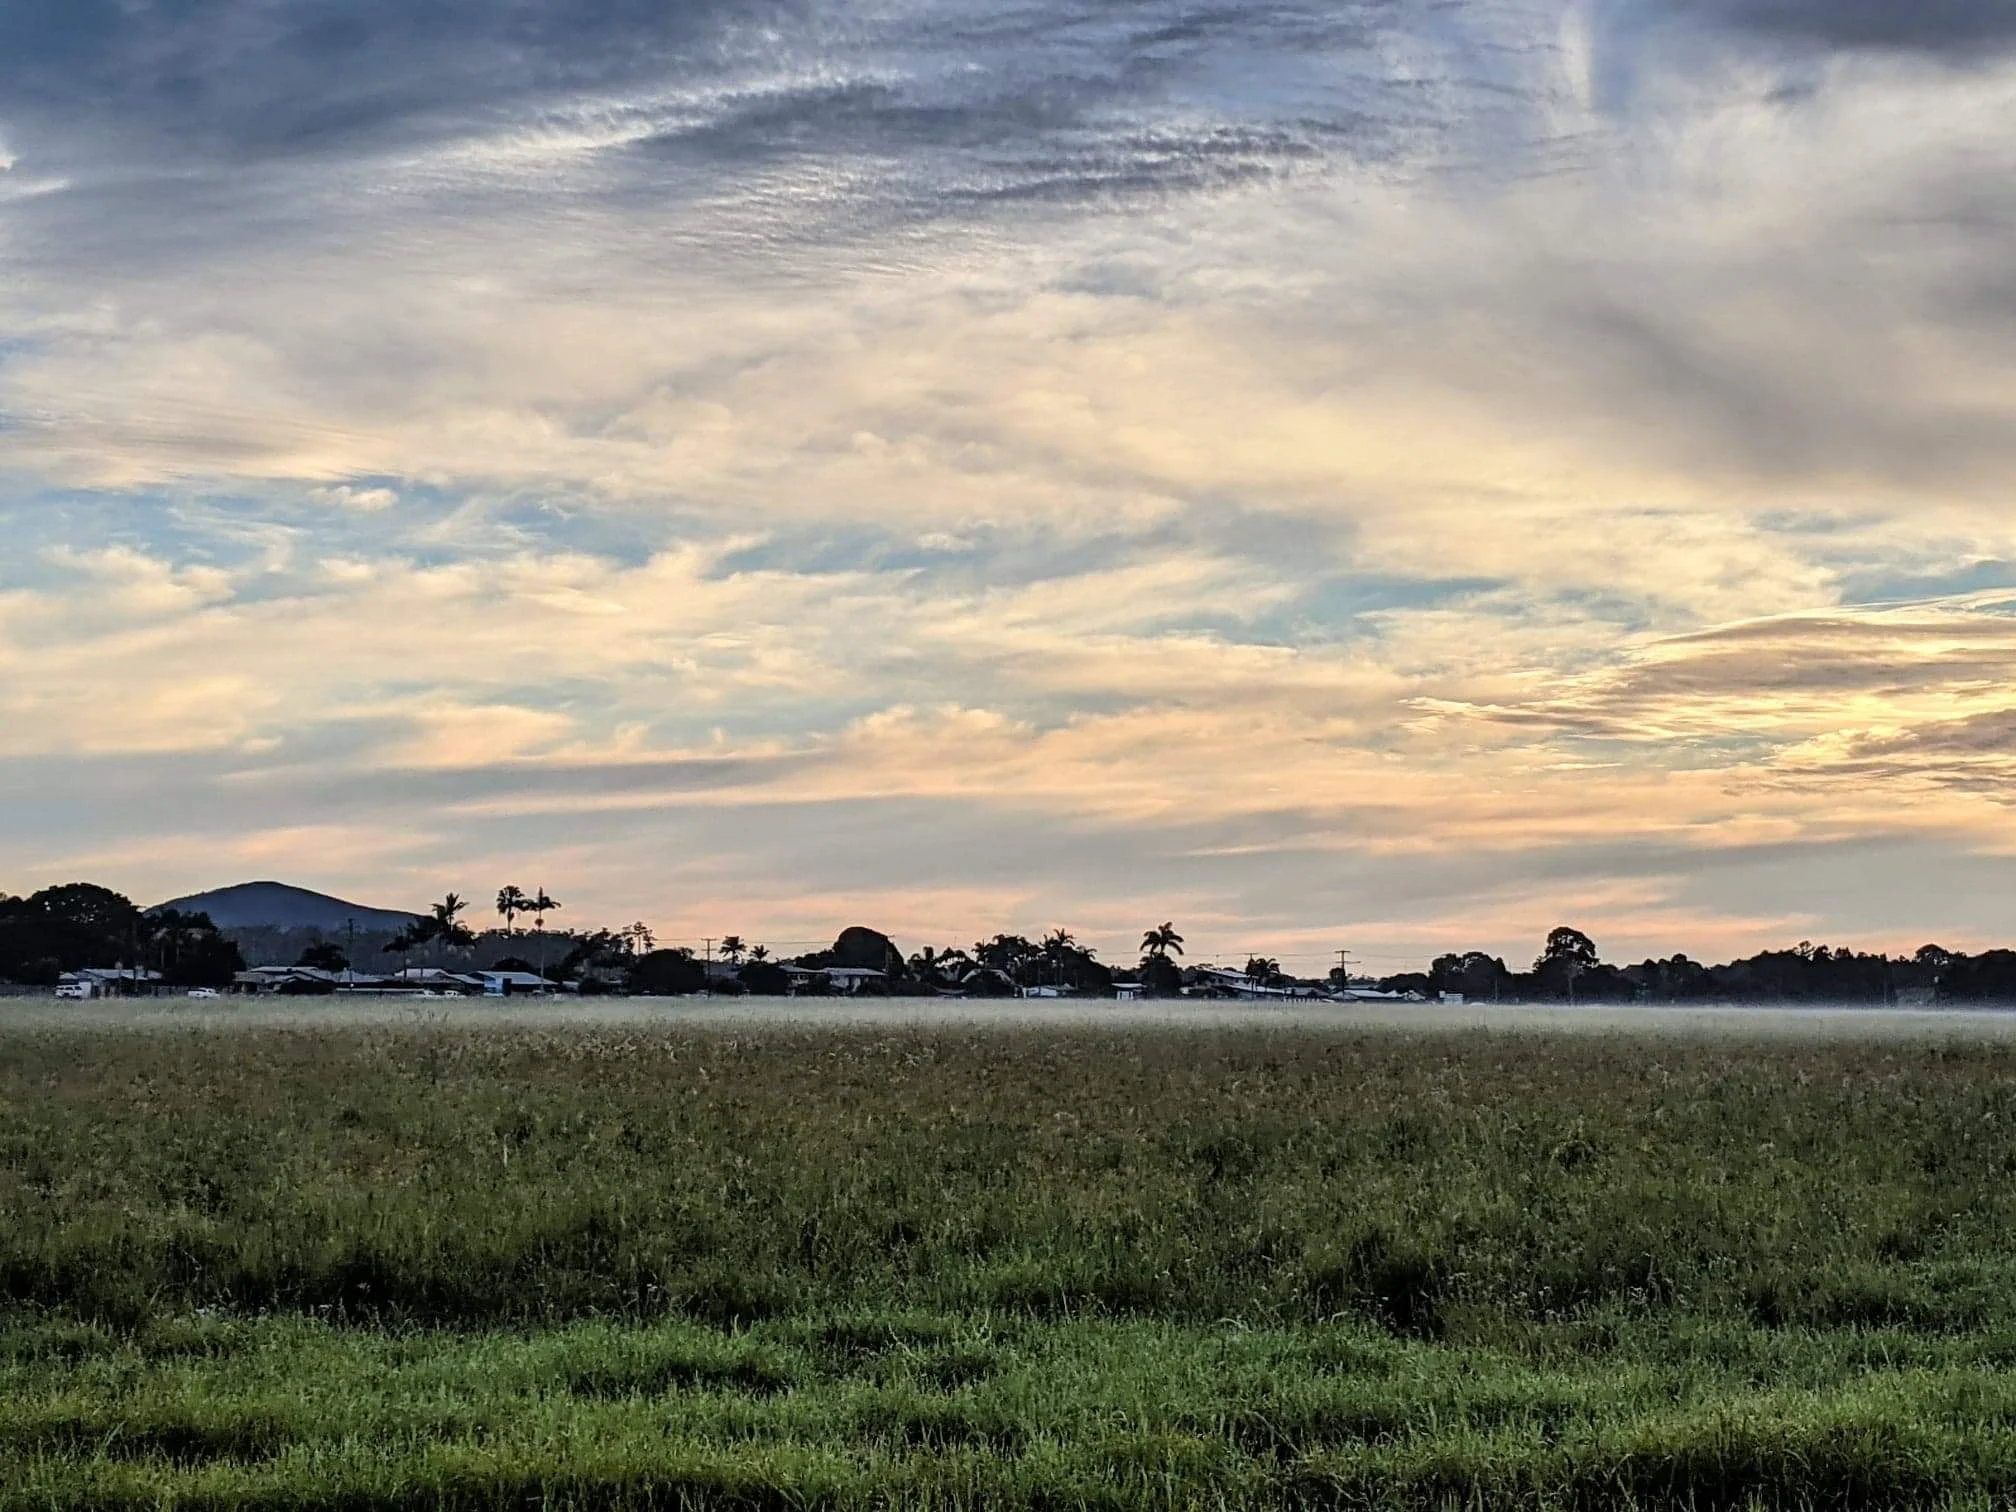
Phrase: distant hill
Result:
[275,905]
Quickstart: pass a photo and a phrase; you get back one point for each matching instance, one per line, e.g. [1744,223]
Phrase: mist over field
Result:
[1177,1021]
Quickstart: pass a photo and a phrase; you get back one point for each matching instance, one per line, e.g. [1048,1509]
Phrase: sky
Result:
[1394,475]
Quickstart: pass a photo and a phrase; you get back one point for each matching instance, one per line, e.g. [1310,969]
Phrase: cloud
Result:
[1403,468]
[1958,29]
[347,496]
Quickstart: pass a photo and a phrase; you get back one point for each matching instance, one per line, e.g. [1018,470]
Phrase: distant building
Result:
[513,983]
[844,980]
[1223,981]
[107,981]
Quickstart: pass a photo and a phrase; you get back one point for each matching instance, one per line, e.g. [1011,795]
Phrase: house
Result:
[437,980]
[107,981]
[846,981]
[1127,992]
[513,983]
[1220,981]
[292,980]
[849,980]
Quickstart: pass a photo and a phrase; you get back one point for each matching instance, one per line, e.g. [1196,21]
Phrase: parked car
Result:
[73,990]
[204,992]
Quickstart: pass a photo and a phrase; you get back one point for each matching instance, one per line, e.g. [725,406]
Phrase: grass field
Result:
[635,1268]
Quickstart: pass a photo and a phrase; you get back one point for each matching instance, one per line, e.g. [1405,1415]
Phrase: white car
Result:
[73,990]
[204,992]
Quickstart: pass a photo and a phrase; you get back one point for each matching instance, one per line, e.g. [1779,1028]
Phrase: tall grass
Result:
[637,1269]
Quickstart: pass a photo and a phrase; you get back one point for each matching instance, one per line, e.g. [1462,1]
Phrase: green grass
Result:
[405,1269]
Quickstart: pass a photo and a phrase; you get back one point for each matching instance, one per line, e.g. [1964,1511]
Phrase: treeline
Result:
[82,925]
[1570,969]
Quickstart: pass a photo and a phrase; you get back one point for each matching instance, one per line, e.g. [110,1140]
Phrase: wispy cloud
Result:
[1402,468]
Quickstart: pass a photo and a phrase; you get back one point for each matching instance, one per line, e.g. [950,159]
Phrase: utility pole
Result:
[707,968]
[1344,970]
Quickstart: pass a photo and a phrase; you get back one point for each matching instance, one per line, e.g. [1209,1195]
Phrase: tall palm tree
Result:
[1160,941]
[759,952]
[732,949]
[511,902]
[540,905]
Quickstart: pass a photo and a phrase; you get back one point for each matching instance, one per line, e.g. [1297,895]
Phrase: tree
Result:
[639,938]
[1160,976]
[1263,969]
[764,978]
[412,937]
[941,970]
[1059,948]
[511,902]
[1011,955]
[1477,976]
[733,950]
[449,929]
[62,928]
[539,905]
[598,951]
[759,953]
[324,955]
[189,949]
[666,973]
[1565,944]
[88,906]
[1567,955]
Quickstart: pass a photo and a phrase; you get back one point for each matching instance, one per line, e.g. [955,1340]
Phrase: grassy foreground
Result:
[405,1269]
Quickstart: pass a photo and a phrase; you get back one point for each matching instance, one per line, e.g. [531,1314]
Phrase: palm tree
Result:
[1160,941]
[414,935]
[447,914]
[1057,948]
[511,902]
[539,906]
[759,952]
[1263,969]
[447,927]
[732,949]
[642,940]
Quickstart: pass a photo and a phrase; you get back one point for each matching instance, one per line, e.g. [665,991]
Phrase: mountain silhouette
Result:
[275,905]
